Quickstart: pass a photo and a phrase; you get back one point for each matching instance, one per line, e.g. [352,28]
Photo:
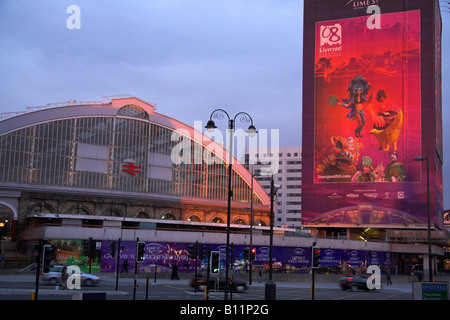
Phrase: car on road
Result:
[53,277]
[354,282]
[217,282]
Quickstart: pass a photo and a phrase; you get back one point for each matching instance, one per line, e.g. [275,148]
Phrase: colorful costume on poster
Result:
[367,174]
[395,171]
[388,121]
[358,89]
[340,165]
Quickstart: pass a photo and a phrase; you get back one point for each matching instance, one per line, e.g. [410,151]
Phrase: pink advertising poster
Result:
[371,109]
[367,99]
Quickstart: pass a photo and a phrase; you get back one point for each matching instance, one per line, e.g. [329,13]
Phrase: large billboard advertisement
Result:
[367,99]
[369,110]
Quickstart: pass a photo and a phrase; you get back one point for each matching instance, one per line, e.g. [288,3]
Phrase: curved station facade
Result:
[73,172]
[118,158]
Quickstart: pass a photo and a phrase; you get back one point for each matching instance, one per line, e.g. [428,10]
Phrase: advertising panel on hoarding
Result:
[366,115]
[164,255]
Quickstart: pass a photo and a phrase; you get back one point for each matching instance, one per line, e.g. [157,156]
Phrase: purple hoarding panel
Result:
[355,258]
[164,255]
[331,257]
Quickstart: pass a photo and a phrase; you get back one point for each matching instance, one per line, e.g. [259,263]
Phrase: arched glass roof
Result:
[114,148]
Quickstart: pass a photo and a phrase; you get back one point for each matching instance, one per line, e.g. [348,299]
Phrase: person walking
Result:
[388,277]
[125,266]
[174,272]
[64,277]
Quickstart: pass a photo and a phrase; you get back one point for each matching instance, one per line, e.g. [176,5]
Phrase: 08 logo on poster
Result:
[331,34]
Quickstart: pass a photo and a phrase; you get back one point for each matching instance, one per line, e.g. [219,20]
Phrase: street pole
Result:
[38,247]
[271,228]
[230,281]
[90,253]
[270,287]
[313,287]
[135,270]
[251,232]
[230,194]
[430,259]
[195,265]
[208,271]
[117,265]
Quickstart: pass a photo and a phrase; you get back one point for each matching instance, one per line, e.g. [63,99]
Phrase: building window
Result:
[260,223]
[133,111]
[217,220]
[143,215]
[194,218]
[168,216]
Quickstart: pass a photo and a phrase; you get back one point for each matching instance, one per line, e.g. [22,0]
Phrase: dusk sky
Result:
[188,57]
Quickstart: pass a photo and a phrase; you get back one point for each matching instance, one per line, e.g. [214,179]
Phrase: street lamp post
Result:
[430,273]
[210,126]
[270,287]
[251,227]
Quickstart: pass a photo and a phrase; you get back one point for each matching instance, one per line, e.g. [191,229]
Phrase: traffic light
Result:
[112,249]
[215,261]
[192,251]
[252,254]
[315,257]
[245,253]
[202,252]
[87,247]
[140,249]
[48,255]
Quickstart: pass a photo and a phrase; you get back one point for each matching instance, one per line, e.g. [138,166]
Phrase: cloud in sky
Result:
[186,56]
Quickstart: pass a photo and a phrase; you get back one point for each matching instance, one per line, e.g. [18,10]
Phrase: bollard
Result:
[270,290]
[205,296]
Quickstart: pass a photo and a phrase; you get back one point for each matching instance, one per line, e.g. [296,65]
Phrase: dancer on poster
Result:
[358,90]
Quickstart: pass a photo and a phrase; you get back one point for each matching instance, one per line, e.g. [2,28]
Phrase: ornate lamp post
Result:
[210,126]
